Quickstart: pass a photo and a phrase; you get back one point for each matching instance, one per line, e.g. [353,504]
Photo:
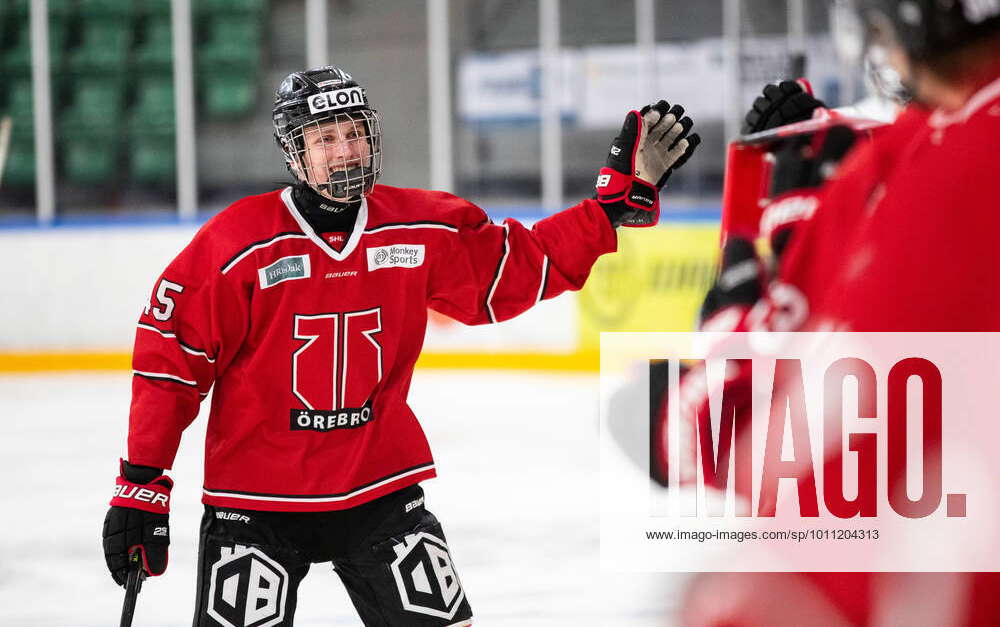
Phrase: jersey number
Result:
[340,362]
[163,299]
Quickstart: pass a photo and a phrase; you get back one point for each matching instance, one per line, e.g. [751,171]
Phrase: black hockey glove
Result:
[801,164]
[784,103]
[740,282]
[652,144]
[807,161]
[138,519]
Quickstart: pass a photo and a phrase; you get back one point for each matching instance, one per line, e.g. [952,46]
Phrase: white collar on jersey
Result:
[989,93]
[359,227]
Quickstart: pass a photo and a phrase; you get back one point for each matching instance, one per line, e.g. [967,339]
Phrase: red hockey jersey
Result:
[905,236]
[905,239]
[309,351]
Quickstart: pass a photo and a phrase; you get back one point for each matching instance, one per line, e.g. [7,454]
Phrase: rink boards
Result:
[72,296]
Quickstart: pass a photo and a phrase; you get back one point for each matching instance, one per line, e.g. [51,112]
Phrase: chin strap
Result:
[313,203]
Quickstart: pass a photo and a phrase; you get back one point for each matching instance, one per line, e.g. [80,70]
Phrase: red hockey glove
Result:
[138,519]
[652,144]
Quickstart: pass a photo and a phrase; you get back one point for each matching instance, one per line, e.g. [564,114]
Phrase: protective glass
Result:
[847,30]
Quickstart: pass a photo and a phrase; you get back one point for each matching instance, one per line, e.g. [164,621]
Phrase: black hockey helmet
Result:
[326,106]
[928,28]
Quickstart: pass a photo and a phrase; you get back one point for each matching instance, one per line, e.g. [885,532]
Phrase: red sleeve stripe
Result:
[412,225]
[226,267]
[498,274]
[545,279]
[186,348]
[162,376]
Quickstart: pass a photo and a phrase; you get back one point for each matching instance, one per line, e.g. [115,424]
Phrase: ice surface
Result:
[517,494]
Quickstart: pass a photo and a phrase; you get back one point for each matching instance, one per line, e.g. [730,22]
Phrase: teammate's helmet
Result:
[929,28]
[331,138]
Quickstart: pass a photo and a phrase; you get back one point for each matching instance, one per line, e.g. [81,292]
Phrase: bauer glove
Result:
[652,144]
[138,519]
[783,103]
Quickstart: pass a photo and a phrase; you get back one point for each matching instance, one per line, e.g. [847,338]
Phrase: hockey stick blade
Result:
[133,584]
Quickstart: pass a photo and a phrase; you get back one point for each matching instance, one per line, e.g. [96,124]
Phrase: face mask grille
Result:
[339,156]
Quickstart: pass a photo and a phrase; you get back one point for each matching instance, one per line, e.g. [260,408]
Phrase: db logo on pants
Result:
[248,589]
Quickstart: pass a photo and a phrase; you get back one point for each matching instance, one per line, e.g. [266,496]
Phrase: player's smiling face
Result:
[334,147]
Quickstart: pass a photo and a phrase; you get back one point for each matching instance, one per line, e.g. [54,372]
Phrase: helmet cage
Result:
[339,155]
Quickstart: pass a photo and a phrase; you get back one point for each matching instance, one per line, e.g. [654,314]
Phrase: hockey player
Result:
[901,239]
[303,311]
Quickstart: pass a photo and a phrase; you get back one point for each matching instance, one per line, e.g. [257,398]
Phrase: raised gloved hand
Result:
[783,103]
[138,519]
[652,144]
[802,162]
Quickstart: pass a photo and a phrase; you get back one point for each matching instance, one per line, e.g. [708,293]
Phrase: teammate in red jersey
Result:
[303,311]
[901,239]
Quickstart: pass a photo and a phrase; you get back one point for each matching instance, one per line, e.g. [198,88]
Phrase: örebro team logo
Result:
[248,589]
[425,576]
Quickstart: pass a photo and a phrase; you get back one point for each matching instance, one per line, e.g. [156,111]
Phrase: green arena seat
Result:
[15,54]
[19,170]
[152,159]
[89,132]
[153,111]
[231,43]
[151,142]
[16,60]
[104,48]
[98,107]
[90,161]
[226,95]
[156,51]
[20,103]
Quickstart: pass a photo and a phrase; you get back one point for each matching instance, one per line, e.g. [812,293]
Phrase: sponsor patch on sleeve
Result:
[395,256]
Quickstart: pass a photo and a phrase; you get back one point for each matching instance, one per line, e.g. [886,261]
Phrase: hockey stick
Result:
[5,124]
[133,584]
